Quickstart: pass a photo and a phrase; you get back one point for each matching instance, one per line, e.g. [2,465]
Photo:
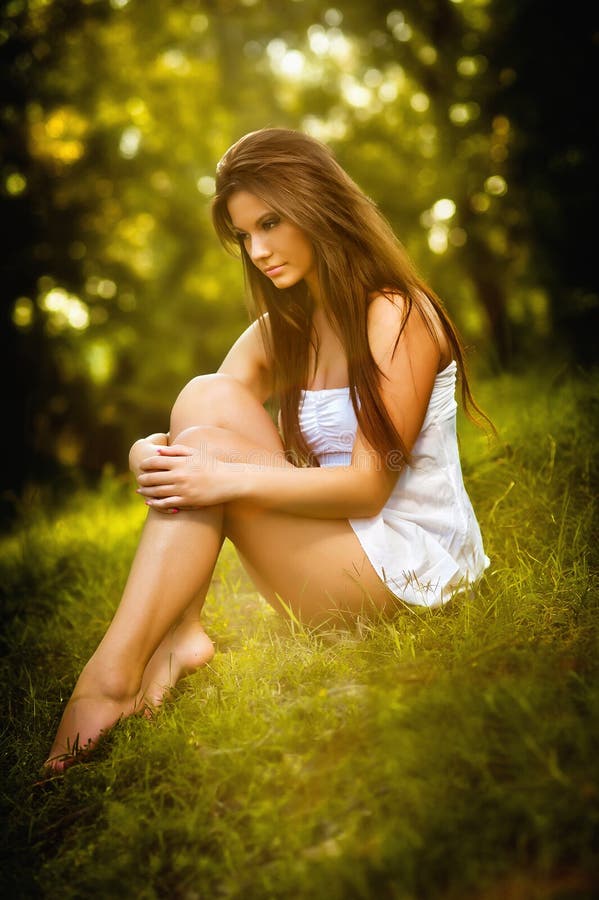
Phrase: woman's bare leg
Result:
[213,400]
[184,649]
[316,566]
[166,586]
[174,560]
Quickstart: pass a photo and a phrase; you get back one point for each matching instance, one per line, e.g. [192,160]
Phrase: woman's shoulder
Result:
[391,312]
[387,311]
[390,302]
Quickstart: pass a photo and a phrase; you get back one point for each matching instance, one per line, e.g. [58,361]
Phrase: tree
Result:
[114,112]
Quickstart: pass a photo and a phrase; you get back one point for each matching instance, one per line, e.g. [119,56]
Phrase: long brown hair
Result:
[357,255]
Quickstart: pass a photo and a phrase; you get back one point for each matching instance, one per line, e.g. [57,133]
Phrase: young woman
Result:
[355,503]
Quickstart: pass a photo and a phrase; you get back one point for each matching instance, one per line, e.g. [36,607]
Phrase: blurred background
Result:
[468,121]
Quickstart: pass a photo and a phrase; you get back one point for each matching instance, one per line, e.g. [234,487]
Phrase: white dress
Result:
[425,544]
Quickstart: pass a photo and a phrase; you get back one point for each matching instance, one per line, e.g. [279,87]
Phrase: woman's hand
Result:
[143,448]
[182,477]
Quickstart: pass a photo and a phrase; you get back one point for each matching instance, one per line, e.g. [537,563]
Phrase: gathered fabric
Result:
[425,543]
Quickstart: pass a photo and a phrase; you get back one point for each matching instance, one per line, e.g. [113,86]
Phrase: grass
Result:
[447,754]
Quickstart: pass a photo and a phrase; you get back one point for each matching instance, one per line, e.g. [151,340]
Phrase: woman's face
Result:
[280,249]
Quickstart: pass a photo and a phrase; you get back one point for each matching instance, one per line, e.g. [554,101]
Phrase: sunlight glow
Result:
[176,61]
[373,78]
[318,40]
[402,32]
[329,42]
[292,64]
[355,93]
[340,46]
[334,128]
[388,92]
[65,310]
[399,28]
[443,210]
[276,50]
[419,101]
[130,142]
[437,239]
[206,185]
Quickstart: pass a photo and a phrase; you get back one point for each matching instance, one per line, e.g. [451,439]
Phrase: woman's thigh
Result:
[315,567]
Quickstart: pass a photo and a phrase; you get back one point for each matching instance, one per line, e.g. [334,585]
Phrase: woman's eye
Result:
[270,223]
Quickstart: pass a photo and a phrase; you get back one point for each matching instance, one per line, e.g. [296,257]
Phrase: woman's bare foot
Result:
[94,708]
[88,715]
[184,649]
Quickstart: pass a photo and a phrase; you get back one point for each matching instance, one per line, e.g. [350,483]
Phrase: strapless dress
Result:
[425,543]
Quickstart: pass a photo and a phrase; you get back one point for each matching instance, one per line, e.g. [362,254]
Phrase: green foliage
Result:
[447,753]
[113,115]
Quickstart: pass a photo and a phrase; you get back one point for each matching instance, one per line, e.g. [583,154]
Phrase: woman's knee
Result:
[214,400]
[211,438]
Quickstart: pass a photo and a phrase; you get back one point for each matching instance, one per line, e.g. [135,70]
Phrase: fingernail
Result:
[148,503]
[174,509]
[158,451]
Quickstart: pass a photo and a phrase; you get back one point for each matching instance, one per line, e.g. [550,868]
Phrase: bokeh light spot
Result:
[22,314]
[15,184]
[292,64]
[443,209]
[130,142]
[333,17]
[206,185]
[65,310]
[437,239]
[428,55]
[480,202]
[496,185]
[106,288]
[419,102]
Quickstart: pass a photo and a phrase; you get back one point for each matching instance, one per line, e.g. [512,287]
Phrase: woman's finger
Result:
[176,450]
[162,476]
[158,491]
[155,463]
[163,505]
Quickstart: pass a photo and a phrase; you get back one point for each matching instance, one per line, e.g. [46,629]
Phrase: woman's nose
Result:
[259,248]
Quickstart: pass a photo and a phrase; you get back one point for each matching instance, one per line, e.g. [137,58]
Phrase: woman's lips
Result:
[274,270]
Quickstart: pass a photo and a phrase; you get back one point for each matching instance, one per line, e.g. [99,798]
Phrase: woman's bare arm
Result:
[248,361]
[182,477]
